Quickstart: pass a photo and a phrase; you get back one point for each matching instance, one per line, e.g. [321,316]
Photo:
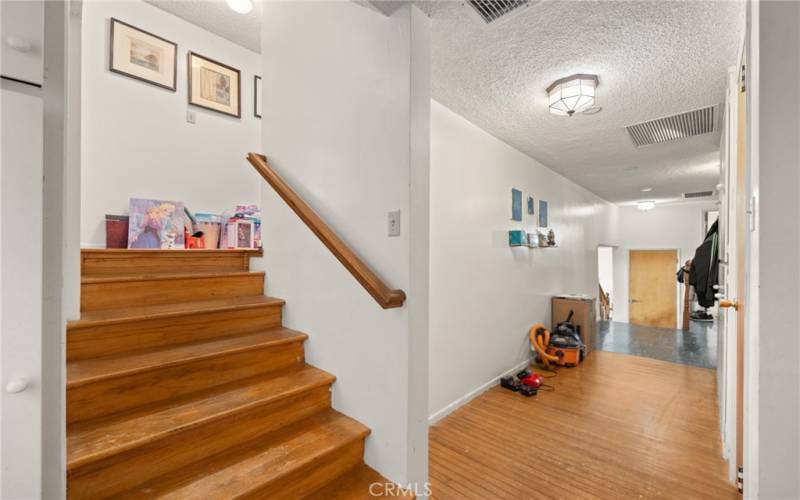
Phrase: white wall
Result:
[778,277]
[484,294]
[666,227]
[136,140]
[349,132]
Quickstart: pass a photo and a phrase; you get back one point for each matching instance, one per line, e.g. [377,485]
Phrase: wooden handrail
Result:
[383,295]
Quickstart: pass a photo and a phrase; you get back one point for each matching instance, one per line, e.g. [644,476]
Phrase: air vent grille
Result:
[698,194]
[700,121]
[492,10]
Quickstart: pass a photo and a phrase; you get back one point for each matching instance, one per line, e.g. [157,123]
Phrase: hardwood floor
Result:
[617,427]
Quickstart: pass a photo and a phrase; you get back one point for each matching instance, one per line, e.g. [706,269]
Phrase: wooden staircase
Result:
[183,383]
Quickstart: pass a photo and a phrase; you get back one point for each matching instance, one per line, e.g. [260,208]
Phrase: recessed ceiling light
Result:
[571,94]
[240,6]
[646,205]
[646,190]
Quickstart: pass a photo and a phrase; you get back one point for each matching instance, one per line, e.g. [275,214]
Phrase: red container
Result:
[117,231]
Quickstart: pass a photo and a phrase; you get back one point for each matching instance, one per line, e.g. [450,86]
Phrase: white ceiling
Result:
[653,58]
[216,17]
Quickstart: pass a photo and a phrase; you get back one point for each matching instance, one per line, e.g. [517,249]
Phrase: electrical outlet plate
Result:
[191,116]
[394,223]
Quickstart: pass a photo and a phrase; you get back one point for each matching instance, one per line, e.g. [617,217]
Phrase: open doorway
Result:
[605,280]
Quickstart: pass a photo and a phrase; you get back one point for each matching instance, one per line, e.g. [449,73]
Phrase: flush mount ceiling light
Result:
[647,190]
[572,94]
[240,6]
[646,205]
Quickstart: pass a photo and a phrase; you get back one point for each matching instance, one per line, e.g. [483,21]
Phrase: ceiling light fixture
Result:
[240,6]
[647,190]
[646,205]
[572,94]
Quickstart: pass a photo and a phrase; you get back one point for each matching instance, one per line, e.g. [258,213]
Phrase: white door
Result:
[728,254]
[21,291]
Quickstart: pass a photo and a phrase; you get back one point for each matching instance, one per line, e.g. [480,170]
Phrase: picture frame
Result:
[144,56]
[530,205]
[542,213]
[516,204]
[257,96]
[213,85]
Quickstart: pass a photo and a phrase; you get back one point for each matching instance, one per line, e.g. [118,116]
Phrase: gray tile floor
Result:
[696,347]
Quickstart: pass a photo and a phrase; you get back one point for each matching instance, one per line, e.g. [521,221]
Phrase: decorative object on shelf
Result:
[213,85]
[542,238]
[542,213]
[210,225]
[530,205]
[571,94]
[239,234]
[155,224]
[117,231]
[257,96]
[517,237]
[551,238]
[516,204]
[142,55]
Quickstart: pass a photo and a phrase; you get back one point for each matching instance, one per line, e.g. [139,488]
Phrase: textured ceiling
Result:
[653,59]
[216,17]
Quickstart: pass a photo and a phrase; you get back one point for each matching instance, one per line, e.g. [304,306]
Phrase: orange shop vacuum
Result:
[562,348]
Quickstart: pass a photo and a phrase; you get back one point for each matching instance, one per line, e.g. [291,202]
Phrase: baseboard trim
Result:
[447,410]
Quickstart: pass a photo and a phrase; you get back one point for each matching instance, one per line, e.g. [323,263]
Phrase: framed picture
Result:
[214,86]
[142,55]
[542,213]
[257,96]
[516,204]
[530,205]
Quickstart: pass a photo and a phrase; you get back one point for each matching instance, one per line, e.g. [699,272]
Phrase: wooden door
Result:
[653,289]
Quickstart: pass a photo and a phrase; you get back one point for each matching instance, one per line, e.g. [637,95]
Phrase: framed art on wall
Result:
[213,85]
[516,204]
[257,96]
[142,55]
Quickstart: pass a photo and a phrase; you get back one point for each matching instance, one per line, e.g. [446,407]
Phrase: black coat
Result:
[704,273]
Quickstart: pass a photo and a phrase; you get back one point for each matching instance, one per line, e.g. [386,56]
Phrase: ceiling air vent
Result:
[698,194]
[700,121]
[492,10]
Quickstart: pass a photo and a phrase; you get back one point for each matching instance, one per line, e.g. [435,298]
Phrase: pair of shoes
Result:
[510,383]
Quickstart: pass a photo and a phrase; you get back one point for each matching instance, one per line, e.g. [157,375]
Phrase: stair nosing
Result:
[327,380]
[123,278]
[91,323]
[307,460]
[297,337]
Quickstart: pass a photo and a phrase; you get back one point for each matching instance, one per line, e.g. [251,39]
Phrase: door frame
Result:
[678,298]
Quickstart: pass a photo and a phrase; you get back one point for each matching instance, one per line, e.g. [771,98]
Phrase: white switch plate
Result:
[394,223]
[191,117]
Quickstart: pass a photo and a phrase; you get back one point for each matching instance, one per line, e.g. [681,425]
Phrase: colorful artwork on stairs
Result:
[155,224]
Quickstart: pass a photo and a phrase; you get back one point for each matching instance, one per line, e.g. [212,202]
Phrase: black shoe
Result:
[510,383]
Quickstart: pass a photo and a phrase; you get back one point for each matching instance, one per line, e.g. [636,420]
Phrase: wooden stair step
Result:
[118,261]
[113,292]
[103,386]
[108,456]
[362,482]
[291,463]
[114,331]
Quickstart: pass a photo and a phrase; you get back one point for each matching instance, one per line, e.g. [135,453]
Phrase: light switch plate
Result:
[394,223]
[191,116]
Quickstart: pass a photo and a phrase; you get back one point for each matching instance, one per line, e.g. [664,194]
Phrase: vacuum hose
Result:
[540,338]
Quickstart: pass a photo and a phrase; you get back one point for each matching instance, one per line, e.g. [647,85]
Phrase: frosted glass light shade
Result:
[571,94]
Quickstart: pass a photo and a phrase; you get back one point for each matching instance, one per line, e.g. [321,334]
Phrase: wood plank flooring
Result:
[617,427]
